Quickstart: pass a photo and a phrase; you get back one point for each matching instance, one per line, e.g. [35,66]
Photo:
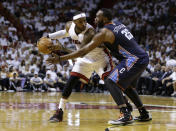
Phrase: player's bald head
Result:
[106,13]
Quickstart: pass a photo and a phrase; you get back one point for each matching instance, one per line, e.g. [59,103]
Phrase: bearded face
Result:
[99,19]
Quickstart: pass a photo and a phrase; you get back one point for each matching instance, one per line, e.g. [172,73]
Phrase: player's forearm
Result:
[58,35]
[72,55]
[96,41]
[62,48]
[68,50]
[79,53]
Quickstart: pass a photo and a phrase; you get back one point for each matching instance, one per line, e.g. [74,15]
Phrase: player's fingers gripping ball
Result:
[44,45]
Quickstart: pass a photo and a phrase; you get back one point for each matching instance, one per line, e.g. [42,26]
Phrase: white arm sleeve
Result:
[59,34]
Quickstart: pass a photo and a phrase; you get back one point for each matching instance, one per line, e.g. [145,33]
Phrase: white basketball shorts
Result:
[98,60]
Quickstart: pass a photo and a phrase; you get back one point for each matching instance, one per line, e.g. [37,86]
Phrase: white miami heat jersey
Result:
[80,36]
[92,56]
[96,60]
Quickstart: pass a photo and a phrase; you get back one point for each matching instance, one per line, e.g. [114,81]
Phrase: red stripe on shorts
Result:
[80,76]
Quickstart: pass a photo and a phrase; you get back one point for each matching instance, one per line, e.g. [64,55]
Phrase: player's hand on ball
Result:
[53,60]
[56,47]
[52,48]
[59,46]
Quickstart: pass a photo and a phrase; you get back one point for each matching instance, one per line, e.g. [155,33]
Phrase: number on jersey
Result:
[127,34]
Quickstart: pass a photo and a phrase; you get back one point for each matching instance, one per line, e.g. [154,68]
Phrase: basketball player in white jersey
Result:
[98,60]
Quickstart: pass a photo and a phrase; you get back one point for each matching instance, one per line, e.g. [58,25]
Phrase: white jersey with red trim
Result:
[80,36]
[97,60]
[95,54]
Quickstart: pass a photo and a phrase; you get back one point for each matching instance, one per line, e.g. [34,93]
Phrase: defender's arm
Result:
[104,35]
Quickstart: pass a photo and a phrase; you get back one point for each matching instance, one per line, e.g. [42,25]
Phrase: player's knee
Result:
[71,83]
[109,83]
[66,93]
[128,90]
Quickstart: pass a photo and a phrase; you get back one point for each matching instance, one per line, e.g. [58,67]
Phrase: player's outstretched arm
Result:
[61,33]
[103,36]
[59,46]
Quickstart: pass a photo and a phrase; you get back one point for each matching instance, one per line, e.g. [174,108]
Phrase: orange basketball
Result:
[43,45]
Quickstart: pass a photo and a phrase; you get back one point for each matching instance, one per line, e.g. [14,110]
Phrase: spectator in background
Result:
[65,73]
[95,83]
[33,64]
[15,82]
[52,73]
[36,82]
[4,80]
[25,71]
[167,72]
[174,93]
[13,70]
[4,43]
[42,70]
[15,62]
[22,67]
[49,83]
[171,61]
[153,81]
[143,82]
[169,83]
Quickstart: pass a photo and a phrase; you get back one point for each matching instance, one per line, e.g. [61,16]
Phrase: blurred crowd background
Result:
[23,22]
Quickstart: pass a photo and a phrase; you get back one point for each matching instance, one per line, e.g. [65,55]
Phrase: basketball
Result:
[43,45]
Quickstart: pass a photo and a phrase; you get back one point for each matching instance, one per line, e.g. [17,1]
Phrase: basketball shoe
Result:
[144,115]
[124,118]
[58,116]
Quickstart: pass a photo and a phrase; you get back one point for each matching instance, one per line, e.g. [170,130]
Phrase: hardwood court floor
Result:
[85,112]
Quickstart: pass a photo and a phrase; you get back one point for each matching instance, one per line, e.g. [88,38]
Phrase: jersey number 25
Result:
[127,34]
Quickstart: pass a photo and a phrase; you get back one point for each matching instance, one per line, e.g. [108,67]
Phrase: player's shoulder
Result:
[90,29]
[107,35]
[105,31]
[68,25]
